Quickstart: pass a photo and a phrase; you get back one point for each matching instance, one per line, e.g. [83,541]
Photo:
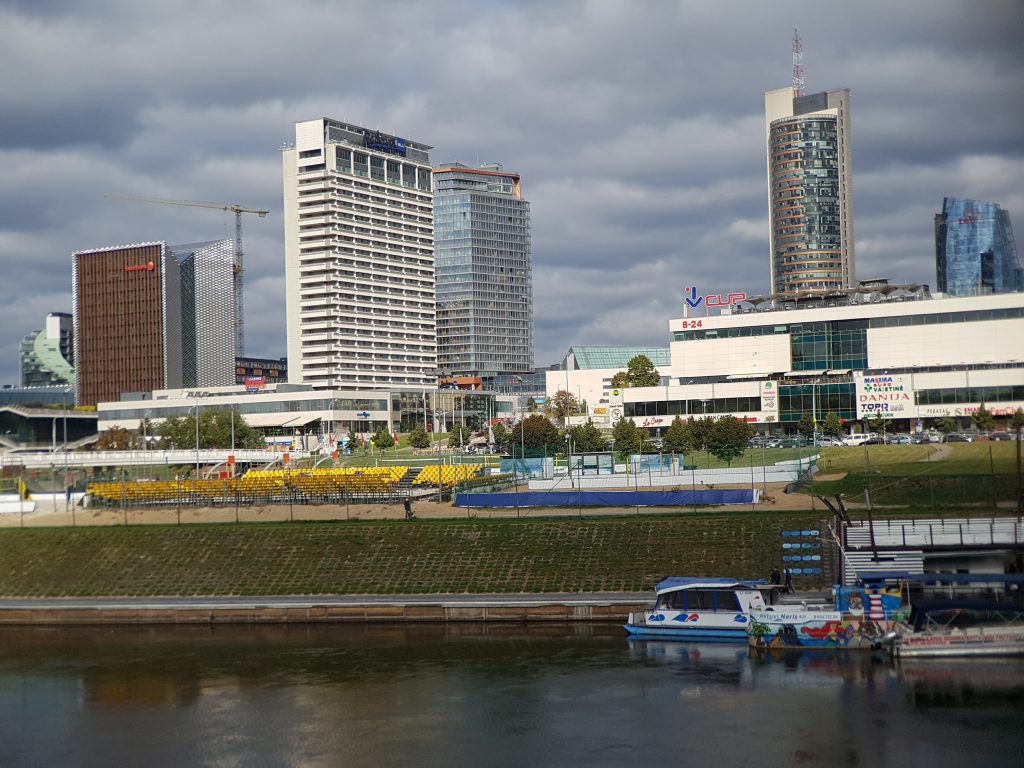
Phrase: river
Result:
[484,695]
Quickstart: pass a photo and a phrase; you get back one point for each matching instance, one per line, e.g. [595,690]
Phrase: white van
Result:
[858,439]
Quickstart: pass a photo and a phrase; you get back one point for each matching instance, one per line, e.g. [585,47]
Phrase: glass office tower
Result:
[483,273]
[810,192]
[975,251]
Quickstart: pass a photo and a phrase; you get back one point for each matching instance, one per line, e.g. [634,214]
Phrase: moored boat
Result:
[699,608]
[859,618]
[949,628]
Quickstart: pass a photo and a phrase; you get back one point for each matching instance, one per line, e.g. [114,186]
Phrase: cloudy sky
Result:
[638,128]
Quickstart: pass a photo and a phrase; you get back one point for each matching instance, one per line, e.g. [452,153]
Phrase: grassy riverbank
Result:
[443,556]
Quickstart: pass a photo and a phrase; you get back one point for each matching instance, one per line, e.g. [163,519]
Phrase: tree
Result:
[586,438]
[640,372]
[729,438]
[531,405]
[675,436]
[880,424]
[563,404]
[983,419]
[459,436]
[383,439]
[832,425]
[502,435]
[179,432]
[697,434]
[620,380]
[115,439]
[538,433]
[419,438]
[628,437]
[945,426]
[806,425]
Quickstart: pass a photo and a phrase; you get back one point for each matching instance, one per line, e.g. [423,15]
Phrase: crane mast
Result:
[238,210]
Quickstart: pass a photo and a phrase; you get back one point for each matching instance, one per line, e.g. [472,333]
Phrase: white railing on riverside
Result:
[205,457]
[935,532]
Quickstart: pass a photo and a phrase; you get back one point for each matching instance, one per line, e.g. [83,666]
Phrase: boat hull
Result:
[981,642]
[727,626]
[816,629]
[680,633]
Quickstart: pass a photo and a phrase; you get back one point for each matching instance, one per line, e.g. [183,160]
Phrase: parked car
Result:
[858,439]
[954,437]
[1000,436]
[827,442]
[900,440]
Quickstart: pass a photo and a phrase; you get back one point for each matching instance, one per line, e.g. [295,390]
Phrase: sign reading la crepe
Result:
[890,397]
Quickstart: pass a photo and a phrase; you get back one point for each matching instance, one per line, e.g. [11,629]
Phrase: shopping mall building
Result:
[878,349]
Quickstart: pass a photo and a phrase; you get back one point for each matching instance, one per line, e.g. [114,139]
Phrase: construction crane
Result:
[236,209]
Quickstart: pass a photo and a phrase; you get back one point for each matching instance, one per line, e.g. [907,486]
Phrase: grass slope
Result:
[537,555]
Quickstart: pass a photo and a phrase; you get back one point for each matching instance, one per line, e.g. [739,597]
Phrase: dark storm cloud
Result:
[638,129]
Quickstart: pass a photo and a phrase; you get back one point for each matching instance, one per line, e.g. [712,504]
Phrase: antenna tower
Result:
[798,64]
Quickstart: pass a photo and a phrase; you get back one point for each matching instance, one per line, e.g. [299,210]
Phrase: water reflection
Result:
[461,695]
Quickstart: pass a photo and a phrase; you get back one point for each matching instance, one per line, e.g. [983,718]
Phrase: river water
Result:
[471,695]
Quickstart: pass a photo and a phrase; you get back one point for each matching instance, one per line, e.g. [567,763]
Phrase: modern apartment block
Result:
[127,321]
[975,252]
[810,197]
[359,258]
[47,354]
[208,328]
[484,278]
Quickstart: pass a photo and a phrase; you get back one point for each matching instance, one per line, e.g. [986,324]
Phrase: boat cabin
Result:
[713,594]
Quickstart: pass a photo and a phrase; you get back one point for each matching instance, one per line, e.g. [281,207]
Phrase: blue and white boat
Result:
[700,608]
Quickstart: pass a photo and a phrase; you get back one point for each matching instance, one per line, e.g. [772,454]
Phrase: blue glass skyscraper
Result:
[482,270]
[974,249]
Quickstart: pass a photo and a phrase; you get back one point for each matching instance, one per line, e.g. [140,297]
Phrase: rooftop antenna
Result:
[798,64]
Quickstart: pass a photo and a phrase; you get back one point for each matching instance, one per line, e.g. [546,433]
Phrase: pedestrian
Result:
[774,577]
[789,579]
[408,509]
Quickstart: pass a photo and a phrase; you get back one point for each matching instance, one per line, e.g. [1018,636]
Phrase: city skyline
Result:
[639,126]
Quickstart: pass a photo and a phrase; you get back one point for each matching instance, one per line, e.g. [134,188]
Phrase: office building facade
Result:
[127,321]
[48,354]
[359,258]
[975,252]
[483,272]
[208,327]
[810,196]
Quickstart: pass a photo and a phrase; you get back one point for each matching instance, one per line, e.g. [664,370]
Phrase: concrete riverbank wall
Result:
[440,612]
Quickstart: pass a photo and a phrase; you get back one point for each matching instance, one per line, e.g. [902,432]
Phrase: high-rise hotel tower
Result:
[359,258]
[810,197]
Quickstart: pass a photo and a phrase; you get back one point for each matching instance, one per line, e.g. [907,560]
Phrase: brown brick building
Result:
[127,315]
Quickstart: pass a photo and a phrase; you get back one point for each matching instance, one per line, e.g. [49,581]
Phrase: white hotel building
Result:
[359,258]
[877,349]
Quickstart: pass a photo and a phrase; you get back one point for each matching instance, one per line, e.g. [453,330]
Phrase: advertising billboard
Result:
[888,396]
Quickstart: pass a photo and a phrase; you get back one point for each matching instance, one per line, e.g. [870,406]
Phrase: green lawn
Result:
[960,459]
[921,476]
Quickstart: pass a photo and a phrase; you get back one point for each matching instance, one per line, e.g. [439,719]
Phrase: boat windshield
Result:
[699,599]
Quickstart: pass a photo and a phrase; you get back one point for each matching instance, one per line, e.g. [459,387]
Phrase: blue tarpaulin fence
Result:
[608,498]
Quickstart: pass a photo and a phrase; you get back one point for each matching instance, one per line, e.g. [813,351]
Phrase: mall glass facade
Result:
[975,252]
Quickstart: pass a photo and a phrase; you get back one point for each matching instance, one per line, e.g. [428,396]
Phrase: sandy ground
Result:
[773,499]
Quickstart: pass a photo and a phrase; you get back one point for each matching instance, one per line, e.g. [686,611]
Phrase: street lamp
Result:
[196,408]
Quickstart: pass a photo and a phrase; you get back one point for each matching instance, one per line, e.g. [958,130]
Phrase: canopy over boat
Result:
[705,582]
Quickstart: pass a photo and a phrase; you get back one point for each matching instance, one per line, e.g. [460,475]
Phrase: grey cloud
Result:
[637,127]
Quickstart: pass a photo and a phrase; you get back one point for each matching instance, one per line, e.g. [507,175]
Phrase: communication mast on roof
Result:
[798,64]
